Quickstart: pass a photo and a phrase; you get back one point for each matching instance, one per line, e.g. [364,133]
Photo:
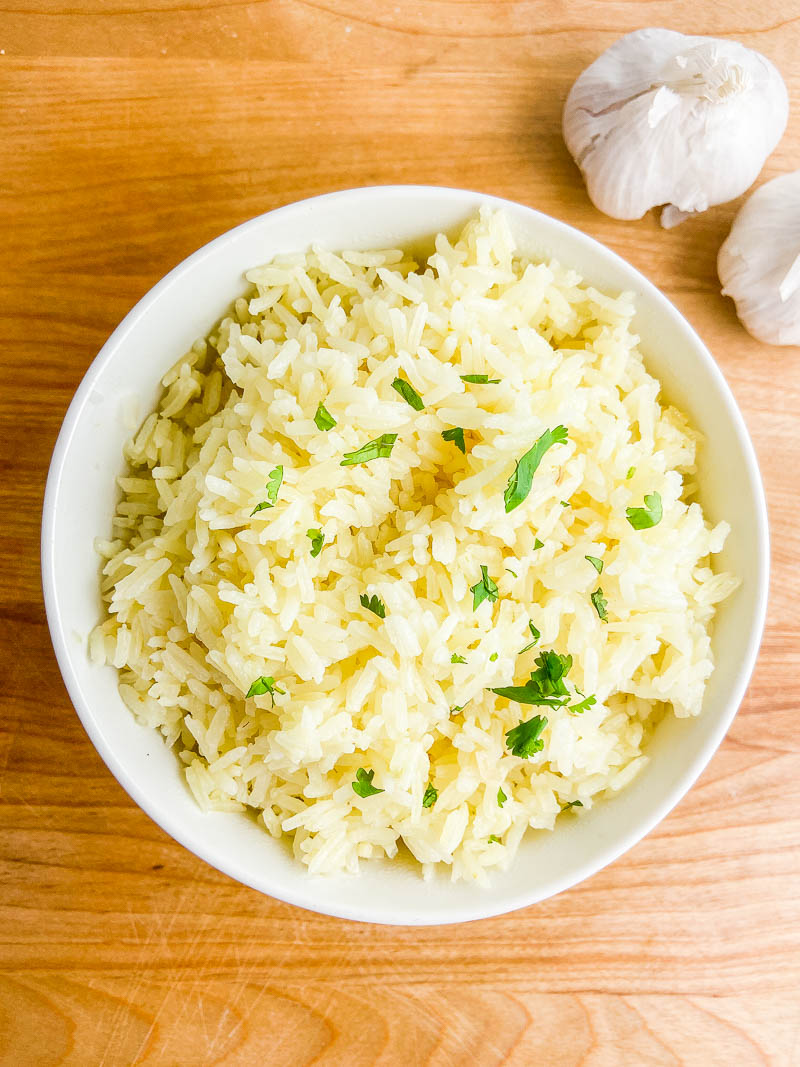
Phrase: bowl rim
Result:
[171,825]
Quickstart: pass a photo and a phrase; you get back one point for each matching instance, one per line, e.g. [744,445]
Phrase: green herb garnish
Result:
[600,604]
[649,515]
[578,709]
[363,784]
[317,539]
[514,573]
[519,484]
[485,589]
[374,604]
[408,393]
[455,658]
[456,708]
[456,435]
[630,474]
[430,796]
[261,686]
[323,418]
[524,740]
[596,563]
[535,635]
[479,379]
[573,804]
[274,479]
[546,685]
[537,544]
[380,448]
[501,797]
[494,656]
[494,840]
[564,503]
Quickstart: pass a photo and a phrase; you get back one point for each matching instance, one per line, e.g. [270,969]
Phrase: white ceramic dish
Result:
[80,497]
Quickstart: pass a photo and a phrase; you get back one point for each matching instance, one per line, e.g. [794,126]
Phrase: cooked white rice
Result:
[205,597]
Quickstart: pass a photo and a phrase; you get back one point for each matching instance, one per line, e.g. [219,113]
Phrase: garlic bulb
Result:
[759,263]
[662,118]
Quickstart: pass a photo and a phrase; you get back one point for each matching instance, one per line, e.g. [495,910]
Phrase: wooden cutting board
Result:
[132,133]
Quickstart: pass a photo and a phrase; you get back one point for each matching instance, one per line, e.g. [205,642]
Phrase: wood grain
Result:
[132,133]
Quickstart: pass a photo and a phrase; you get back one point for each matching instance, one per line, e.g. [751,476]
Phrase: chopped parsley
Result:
[455,658]
[537,544]
[494,840]
[374,604]
[649,515]
[524,740]
[274,479]
[457,708]
[363,786]
[261,686]
[323,418]
[546,685]
[479,379]
[630,474]
[564,503]
[514,573]
[573,804]
[430,796]
[596,563]
[519,484]
[600,604]
[380,448]
[317,539]
[501,797]
[578,709]
[493,657]
[456,435]
[408,393]
[535,635]
[485,589]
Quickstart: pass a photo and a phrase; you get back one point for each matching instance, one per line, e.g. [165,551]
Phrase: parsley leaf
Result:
[485,589]
[274,479]
[408,393]
[374,604]
[564,503]
[501,797]
[649,515]
[456,435]
[578,709]
[456,708]
[455,658]
[380,448]
[573,804]
[537,544]
[596,563]
[630,474]
[317,539]
[514,573]
[600,604]
[494,840]
[262,685]
[494,656]
[546,685]
[479,379]
[519,484]
[524,740]
[535,635]
[323,418]
[363,784]
[430,796]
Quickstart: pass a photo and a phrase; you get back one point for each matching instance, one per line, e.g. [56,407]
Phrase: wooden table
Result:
[134,132]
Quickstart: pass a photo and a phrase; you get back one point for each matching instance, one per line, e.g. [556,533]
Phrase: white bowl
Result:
[80,498]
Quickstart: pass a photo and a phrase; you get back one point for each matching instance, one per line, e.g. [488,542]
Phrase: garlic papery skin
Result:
[665,119]
[759,262]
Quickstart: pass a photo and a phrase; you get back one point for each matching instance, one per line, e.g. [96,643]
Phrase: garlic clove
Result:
[759,262]
[661,118]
